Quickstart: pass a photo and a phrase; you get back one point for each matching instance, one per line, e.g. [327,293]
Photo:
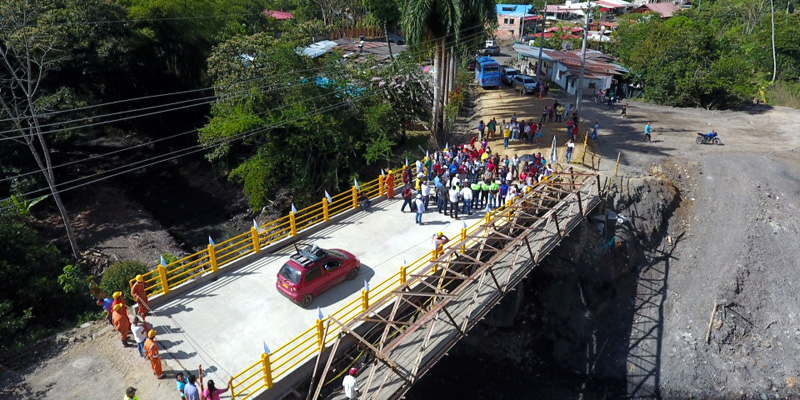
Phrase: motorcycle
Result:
[705,138]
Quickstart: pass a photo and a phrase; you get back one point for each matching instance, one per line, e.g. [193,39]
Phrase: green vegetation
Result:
[32,300]
[715,55]
[117,276]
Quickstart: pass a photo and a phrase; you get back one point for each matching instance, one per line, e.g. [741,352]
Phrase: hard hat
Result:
[440,234]
[139,278]
[353,370]
[391,171]
[151,334]
[117,307]
[116,295]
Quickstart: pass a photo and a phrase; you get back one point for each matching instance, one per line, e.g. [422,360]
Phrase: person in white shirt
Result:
[453,197]
[425,189]
[350,385]
[466,196]
[515,165]
[570,148]
[139,335]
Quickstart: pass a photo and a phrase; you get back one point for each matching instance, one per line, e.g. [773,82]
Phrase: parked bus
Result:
[487,72]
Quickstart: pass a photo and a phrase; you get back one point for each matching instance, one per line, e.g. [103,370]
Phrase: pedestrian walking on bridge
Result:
[350,385]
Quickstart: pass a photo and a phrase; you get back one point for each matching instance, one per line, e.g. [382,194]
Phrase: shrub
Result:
[117,275]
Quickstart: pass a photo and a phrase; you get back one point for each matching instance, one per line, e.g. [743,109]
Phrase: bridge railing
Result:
[166,277]
[281,361]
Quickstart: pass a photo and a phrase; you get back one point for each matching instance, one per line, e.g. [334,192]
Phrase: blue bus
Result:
[487,71]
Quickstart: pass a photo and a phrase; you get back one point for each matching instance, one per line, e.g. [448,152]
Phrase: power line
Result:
[186,151]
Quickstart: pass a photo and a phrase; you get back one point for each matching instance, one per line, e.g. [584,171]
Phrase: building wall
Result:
[508,27]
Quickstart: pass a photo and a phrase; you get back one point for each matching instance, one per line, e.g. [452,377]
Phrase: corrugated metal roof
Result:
[516,10]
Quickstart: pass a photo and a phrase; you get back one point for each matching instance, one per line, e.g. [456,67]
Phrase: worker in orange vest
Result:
[119,299]
[151,352]
[138,293]
[390,185]
[121,322]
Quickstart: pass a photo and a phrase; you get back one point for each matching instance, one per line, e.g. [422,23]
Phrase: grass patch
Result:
[784,94]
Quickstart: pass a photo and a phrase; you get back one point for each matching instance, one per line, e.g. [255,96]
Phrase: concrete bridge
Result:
[410,303]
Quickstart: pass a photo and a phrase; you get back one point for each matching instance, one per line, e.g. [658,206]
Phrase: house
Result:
[279,15]
[664,10]
[563,68]
[512,19]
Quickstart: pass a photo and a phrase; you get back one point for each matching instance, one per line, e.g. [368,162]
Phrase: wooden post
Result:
[711,322]
[162,275]
[616,168]
[580,206]
[325,209]
[256,239]
[212,258]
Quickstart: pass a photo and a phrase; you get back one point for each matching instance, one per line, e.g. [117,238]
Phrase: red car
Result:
[313,270]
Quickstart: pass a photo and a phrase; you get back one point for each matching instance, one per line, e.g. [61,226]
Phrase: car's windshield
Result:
[291,274]
[511,72]
[336,254]
[528,80]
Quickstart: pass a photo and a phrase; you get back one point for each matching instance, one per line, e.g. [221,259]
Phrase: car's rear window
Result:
[290,274]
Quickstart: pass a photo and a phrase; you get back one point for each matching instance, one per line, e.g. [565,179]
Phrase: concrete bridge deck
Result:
[224,324]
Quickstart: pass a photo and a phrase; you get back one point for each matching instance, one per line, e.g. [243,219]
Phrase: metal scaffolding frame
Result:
[462,285]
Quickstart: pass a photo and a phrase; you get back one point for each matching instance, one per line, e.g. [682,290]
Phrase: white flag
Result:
[266,349]
[366,285]
[355,183]
[327,196]
[554,151]
[319,314]
[382,173]
[211,241]
[255,223]
[294,209]
[163,263]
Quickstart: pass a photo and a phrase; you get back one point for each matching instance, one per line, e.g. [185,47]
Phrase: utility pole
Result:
[579,89]
[541,41]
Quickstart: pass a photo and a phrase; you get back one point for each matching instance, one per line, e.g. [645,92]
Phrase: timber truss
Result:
[413,328]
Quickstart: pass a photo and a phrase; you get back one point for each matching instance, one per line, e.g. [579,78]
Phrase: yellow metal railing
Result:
[166,277]
[282,360]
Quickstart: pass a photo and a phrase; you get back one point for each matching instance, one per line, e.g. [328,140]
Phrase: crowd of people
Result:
[464,178]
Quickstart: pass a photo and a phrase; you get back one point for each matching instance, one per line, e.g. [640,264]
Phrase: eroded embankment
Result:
[576,325]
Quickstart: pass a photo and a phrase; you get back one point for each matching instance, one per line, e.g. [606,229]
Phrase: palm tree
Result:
[445,22]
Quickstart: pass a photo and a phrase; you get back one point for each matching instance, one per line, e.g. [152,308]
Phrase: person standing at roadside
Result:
[390,185]
[481,129]
[570,148]
[151,351]
[407,194]
[121,323]
[139,335]
[453,196]
[506,136]
[420,209]
[492,127]
[140,295]
[190,391]
[544,115]
[212,393]
[593,136]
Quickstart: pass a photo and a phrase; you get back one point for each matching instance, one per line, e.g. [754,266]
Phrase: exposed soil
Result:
[700,224]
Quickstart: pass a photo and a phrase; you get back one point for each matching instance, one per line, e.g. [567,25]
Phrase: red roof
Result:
[664,9]
[533,17]
[279,15]
[609,4]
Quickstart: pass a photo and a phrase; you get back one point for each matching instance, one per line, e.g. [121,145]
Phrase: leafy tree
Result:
[116,277]
[31,298]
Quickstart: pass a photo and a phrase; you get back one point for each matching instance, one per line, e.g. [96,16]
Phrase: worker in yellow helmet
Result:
[119,299]
[390,185]
[441,239]
[138,293]
[151,352]
[121,323]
